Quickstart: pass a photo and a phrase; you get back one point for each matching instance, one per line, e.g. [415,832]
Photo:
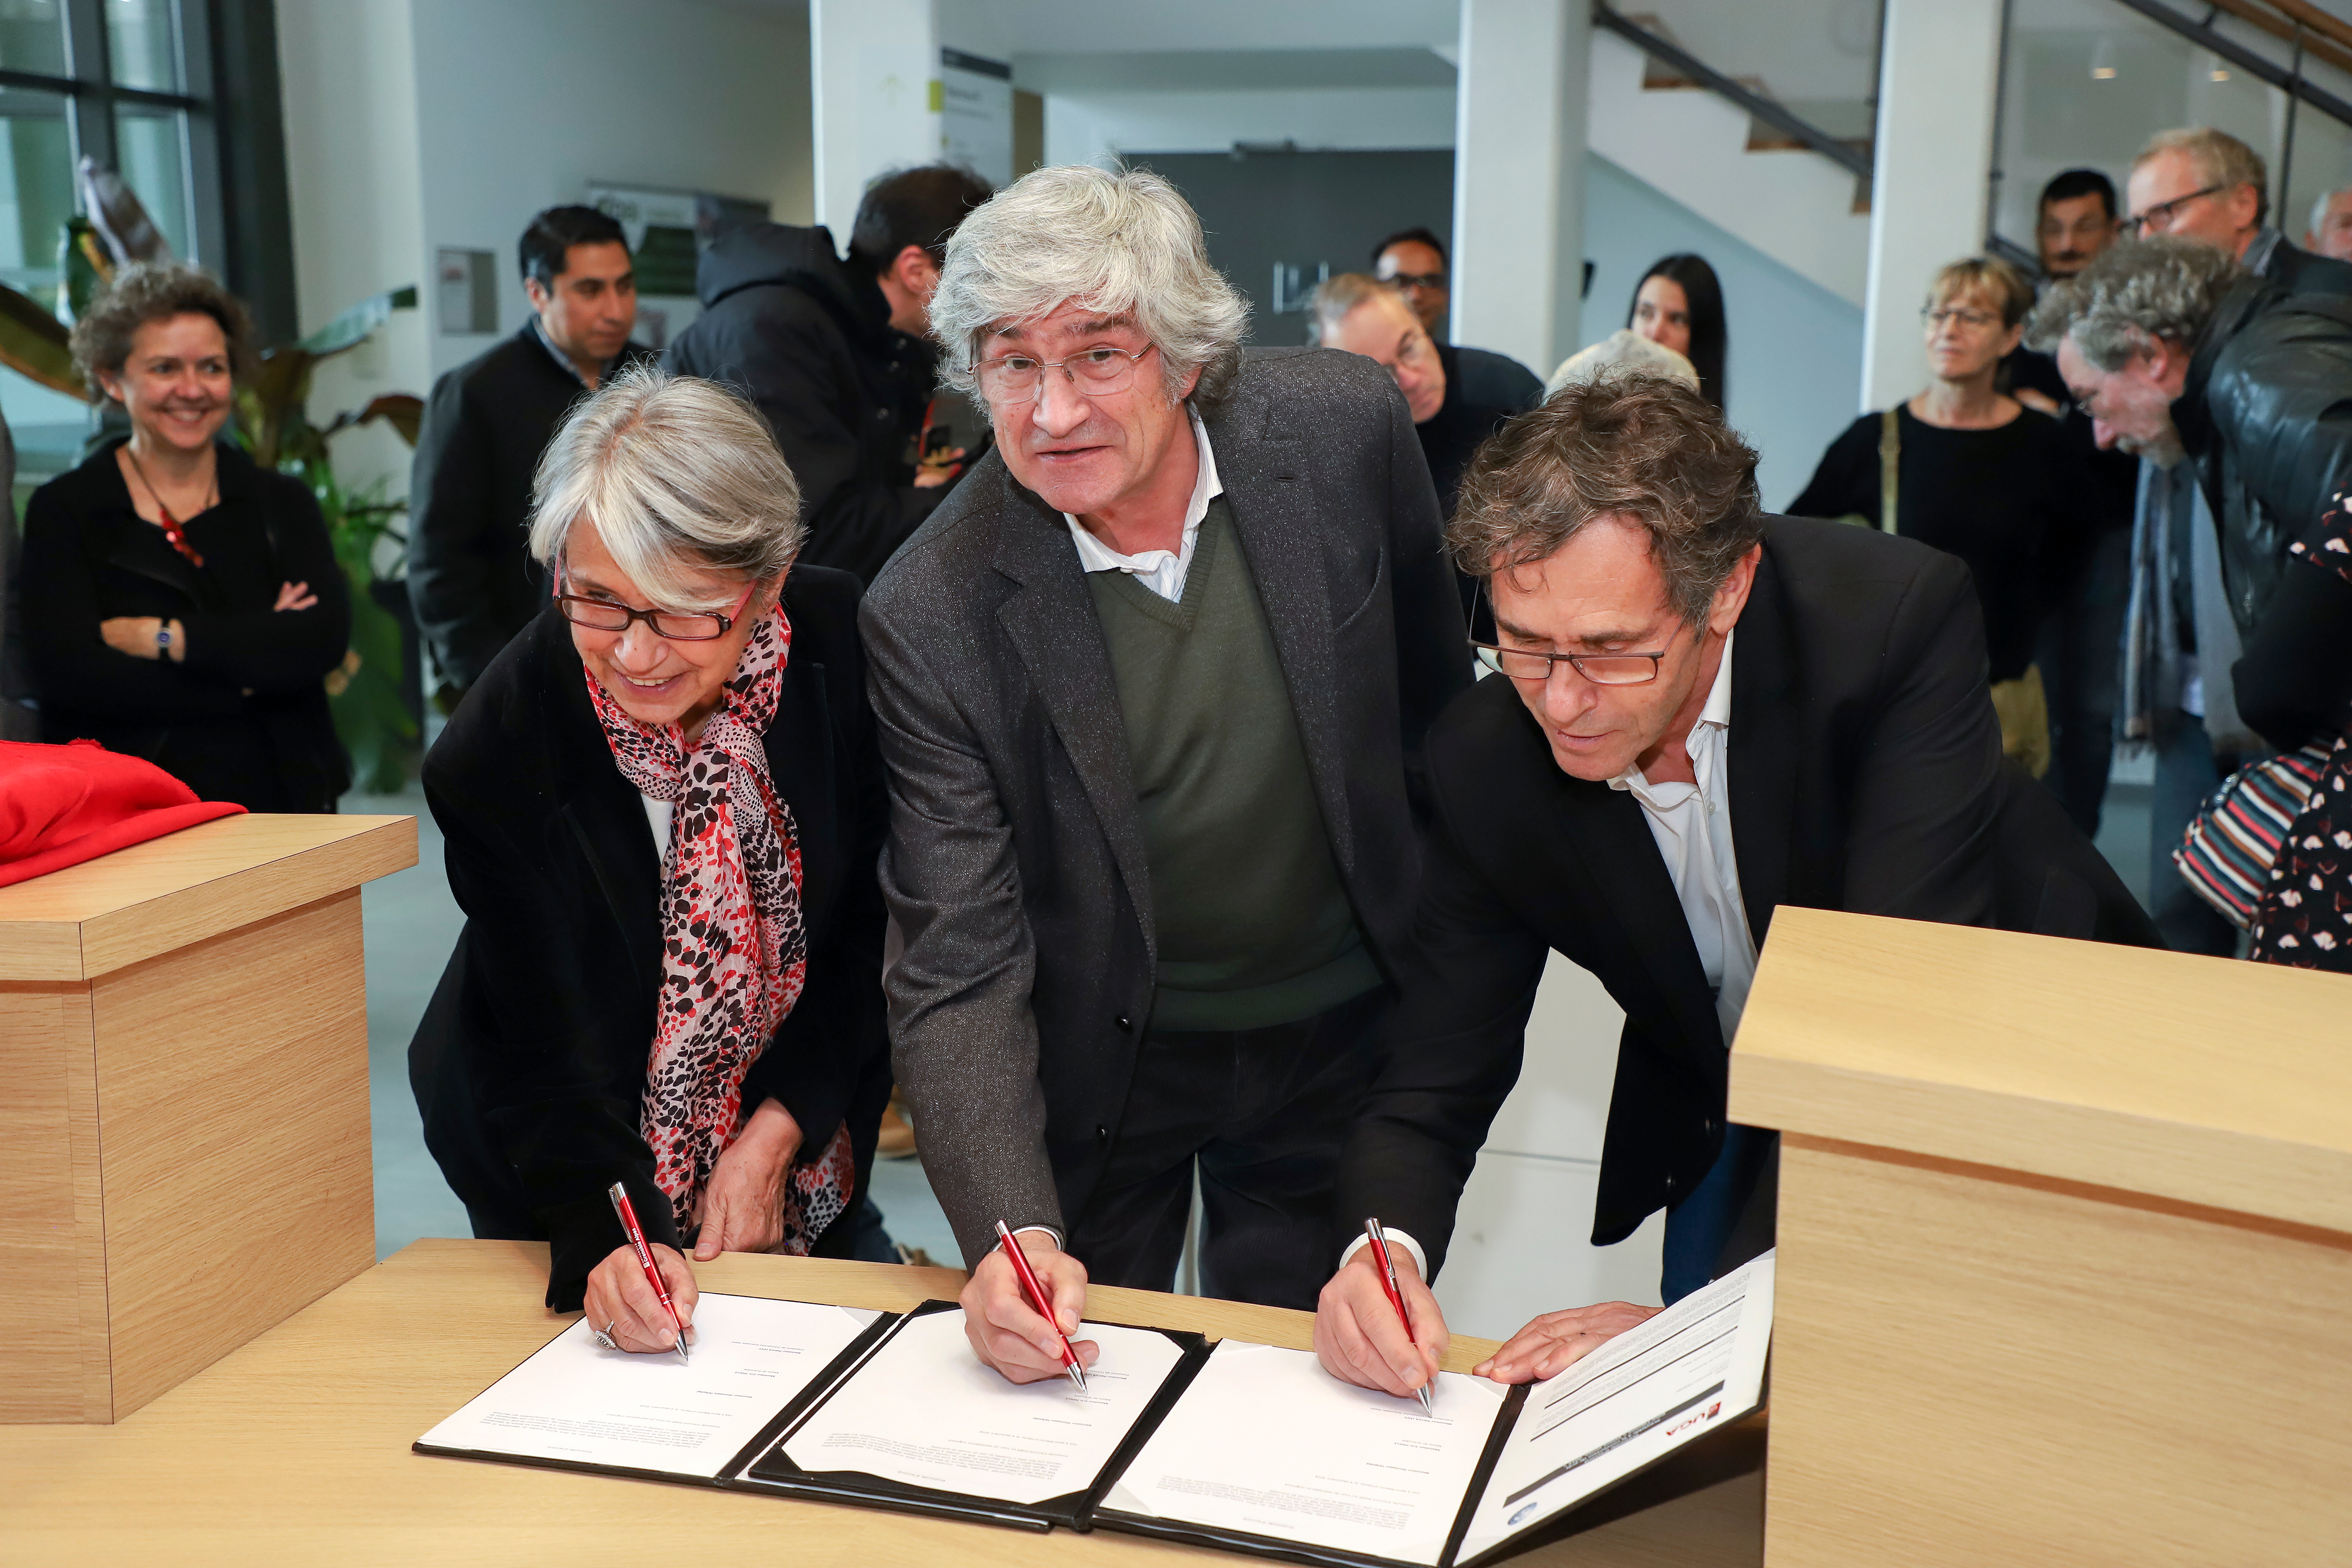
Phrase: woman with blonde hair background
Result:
[1967,468]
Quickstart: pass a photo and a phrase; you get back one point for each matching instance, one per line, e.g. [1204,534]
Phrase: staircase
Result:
[1770,190]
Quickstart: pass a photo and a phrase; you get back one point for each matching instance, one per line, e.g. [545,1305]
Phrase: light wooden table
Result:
[2065,1250]
[184,1102]
[294,1450]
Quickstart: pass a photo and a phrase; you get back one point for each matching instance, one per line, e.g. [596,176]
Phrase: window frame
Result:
[92,96]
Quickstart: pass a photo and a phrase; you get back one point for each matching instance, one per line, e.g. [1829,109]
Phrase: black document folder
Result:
[777,1470]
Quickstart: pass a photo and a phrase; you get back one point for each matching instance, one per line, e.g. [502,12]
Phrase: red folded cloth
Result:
[60,805]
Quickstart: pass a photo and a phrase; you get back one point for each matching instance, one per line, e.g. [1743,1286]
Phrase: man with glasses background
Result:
[1151,684]
[1699,713]
[2205,185]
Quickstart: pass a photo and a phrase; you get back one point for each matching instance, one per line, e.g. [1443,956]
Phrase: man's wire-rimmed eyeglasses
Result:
[1021,378]
[1601,669]
[2159,216]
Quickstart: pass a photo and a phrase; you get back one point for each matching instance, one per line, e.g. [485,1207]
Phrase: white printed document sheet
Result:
[1695,1366]
[1265,1442]
[924,1411]
[576,1403]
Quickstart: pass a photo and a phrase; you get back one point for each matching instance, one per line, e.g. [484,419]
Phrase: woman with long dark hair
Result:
[1679,304]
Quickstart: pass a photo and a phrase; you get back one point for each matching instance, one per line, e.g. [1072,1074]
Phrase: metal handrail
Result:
[2244,58]
[1679,60]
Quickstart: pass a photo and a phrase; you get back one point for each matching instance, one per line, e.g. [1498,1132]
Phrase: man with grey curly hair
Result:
[2238,393]
[1152,683]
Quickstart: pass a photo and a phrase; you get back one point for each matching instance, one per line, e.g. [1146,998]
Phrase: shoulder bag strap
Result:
[1890,467]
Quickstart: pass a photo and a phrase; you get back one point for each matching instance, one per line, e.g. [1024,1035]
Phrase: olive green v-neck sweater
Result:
[1254,925]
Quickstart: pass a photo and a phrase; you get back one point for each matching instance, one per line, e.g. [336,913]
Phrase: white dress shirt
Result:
[1692,824]
[657,813]
[1162,571]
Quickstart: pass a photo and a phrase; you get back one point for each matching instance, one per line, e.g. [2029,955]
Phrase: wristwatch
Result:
[162,637]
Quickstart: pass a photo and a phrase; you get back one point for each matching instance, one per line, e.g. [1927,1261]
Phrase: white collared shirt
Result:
[1692,824]
[1162,571]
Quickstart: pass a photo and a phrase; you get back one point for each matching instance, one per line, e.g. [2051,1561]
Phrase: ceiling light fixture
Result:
[2102,61]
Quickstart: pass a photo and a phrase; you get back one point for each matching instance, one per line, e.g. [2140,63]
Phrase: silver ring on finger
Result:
[603,1336]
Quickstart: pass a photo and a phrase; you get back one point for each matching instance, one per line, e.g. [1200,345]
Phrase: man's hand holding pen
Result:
[1007,1333]
[1359,1337]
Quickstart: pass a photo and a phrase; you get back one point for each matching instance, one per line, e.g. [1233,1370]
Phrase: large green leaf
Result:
[351,329]
[35,343]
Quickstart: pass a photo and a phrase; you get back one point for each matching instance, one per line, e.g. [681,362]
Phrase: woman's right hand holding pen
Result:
[620,1301]
[1007,1333]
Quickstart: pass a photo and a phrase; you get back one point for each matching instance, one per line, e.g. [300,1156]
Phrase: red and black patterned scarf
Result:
[734,956]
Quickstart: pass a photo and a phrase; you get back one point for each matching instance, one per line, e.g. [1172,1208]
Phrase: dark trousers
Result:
[2186,773]
[1262,1115]
[2081,652]
[1700,1228]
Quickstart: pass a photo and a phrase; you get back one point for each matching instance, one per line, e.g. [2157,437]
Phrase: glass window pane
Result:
[143,44]
[33,35]
[36,191]
[150,143]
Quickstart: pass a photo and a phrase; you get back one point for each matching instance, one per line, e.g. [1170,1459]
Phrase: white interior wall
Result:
[1796,348]
[356,185]
[414,125]
[678,97]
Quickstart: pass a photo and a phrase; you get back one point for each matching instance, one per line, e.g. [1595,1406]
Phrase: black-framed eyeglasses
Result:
[1601,669]
[1415,279]
[1096,372]
[611,616]
[2160,215]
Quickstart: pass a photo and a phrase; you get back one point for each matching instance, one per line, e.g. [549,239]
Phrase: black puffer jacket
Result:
[808,338]
[2267,415]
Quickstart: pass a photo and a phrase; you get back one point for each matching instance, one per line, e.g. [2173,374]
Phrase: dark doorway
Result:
[1304,210]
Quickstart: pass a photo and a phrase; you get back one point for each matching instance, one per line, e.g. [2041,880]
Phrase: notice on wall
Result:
[976,115]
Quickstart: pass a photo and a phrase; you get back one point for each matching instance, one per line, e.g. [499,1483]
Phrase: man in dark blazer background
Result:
[1698,713]
[470,580]
[1150,685]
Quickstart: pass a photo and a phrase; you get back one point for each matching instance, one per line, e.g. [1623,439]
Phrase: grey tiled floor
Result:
[411,924]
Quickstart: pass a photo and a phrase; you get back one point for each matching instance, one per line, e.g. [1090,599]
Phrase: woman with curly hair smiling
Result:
[182,603]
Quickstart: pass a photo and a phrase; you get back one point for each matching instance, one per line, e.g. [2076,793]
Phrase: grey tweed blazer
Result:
[1014,869]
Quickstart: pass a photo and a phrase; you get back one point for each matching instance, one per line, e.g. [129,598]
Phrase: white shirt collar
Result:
[1715,717]
[1162,571]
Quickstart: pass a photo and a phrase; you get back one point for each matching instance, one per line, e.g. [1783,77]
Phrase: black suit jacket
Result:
[470,578]
[1865,774]
[1016,870]
[530,1064]
[244,717]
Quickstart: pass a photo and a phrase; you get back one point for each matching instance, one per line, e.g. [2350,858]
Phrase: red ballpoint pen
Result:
[1379,1239]
[628,1213]
[1044,1303]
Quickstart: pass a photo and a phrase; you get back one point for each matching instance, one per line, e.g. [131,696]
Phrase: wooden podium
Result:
[2065,1238]
[183,1103]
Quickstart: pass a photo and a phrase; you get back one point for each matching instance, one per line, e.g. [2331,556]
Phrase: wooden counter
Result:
[294,1450]
[2065,1243]
[183,1132]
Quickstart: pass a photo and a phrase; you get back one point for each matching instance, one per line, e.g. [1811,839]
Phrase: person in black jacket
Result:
[181,604]
[650,989]
[2239,394]
[833,352]
[1698,713]
[2207,185]
[471,582]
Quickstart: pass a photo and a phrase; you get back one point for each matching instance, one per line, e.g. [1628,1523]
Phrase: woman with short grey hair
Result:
[1125,245]
[662,805]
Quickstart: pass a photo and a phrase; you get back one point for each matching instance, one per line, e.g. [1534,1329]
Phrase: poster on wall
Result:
[976,115]
[667,231]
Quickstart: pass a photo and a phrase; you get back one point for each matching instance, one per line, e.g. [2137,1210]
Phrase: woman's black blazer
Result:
[244,718]
[530,1064]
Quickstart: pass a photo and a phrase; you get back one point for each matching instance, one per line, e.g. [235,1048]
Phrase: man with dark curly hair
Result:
[1698,713]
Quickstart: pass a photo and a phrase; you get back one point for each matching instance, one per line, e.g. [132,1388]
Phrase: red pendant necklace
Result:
[174,534]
